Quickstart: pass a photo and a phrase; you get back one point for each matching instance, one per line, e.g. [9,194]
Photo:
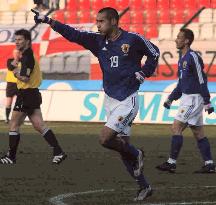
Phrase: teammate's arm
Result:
[175,95]
[84,38]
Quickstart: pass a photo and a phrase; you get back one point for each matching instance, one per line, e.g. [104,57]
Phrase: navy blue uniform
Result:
[119,59]
[192,79]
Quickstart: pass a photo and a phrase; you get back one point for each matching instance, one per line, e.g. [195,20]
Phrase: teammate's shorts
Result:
[11,89]
[120,114]
[191,109]
[28,100]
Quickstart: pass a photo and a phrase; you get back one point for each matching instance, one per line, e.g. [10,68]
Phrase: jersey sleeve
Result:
[198,66]
[84,38]
[176,93]
[27,64]
[152,53]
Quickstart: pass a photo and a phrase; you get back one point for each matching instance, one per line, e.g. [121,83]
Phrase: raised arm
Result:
[87,39]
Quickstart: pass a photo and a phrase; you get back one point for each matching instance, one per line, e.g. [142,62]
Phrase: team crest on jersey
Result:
[125,48]
[120,118]
[184,64]
[182,111]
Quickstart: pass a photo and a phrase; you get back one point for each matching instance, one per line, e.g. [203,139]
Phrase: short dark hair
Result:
[111,13]
[25,33]
[188,34]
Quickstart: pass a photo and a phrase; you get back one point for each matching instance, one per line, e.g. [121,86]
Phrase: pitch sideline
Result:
[58,200]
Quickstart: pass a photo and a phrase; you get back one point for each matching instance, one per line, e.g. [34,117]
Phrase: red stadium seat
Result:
[206,3]
[122,4]
[150,17]
[93,15]
[213,4]
[189,13]
[163,4]
[163,16]
[84,16]
[177,16]
[137,17]
[84,5]
[135,4]
[176,4]
[72,5]
[136,28]
[110,3]
[126,18]
[125,26]
[96,5]
[70,17]
[149,4]
[190,4]
[151,31]
[59,15]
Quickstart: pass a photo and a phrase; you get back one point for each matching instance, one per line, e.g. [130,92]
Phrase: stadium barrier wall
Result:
[48,43]
[87,106]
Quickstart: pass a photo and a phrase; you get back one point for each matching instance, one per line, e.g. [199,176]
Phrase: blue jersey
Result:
[119,59]
[192,79]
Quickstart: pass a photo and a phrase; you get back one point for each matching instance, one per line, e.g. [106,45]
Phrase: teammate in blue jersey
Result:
[119,53]
[194,97]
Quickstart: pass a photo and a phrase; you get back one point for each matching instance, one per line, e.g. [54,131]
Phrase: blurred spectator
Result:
[41,4]
[46,4]
[55,4]
[11,88]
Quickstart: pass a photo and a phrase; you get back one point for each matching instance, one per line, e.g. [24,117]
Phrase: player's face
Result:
[21,42]
[103,24]
[180,41]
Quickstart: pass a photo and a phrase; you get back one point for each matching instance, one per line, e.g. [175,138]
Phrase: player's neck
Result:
[25,48]
[184,51]
[115,34]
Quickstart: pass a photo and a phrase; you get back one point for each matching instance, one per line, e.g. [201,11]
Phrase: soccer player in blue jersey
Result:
[119,53]
[194,97]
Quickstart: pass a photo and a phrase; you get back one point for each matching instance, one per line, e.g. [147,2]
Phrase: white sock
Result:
[171,161]
[209,162]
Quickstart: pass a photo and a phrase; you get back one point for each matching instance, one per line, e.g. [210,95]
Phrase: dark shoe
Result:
[167,167]
[206,169]
[58,159]
[7,160]
[143,194]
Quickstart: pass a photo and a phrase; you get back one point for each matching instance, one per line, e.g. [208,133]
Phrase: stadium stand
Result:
[155,19]
[142,12]
[6,17]
[71,63]
[45,64]
[57,64]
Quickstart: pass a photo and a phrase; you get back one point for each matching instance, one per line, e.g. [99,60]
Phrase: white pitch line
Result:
[58,200]
[181,203]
